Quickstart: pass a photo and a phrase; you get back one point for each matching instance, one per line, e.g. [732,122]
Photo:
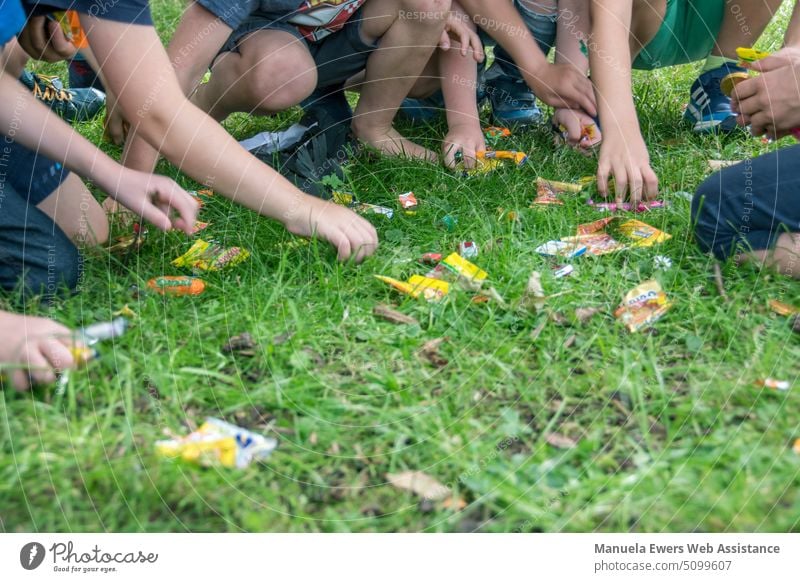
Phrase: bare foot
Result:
[392,143]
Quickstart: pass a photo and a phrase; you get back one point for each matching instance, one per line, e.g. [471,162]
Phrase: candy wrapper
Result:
[206,256]
[449,222]
[562,249]
[431,259]
[102,331]
[408,202]
[483,166]
[171,285]
[201,196]
[643,306]
[218,443]
[599,241]
[783,309]
[468,249]
[496,133]
[750,55]
[773,384]
[429,289]
[561,271]
[344,198]
[626,206]
[463,268]
[548,192]
[364,208]
[729,82]
[200,226]
[519,158]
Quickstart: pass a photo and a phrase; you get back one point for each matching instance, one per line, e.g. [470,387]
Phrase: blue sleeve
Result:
[127,11]
[12,19]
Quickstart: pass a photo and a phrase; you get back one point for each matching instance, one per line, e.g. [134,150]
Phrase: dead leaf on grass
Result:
[584,314]
[534,296]
[241,345]
[560,441]
[430,352]
[420,484]
[393,316]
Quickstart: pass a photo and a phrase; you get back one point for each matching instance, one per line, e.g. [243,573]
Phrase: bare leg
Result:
[785,258]
[646,20]
[73,208]
[743,24]
[405,47]
[272,71]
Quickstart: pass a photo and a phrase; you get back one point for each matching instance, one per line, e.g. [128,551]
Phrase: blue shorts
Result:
[746,207]
[35,254]
[338,56]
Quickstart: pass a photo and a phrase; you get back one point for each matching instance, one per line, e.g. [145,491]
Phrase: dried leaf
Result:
[393,316]
[560,441]
[430,351]
[454,503]
[716,165]
[783,309]
[242,345]
[570,341]
[584,314]
[282,338]
[558,318]
[420,484]
[534,292]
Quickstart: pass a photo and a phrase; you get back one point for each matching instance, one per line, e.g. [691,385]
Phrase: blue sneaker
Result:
[421,111]
[709,109]
[513,103]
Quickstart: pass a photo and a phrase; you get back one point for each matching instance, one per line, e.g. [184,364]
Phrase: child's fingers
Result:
[769,63]
[444,42]
[58,355]
[620,184]
[650,184]
[39,368]
[20,380]
[602,179]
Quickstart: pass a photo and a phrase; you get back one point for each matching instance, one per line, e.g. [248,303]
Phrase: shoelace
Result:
[50,91]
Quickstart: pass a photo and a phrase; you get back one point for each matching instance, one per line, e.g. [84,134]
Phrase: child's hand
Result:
[352,236]
[768,103]
[44,40]
[467,139]
[625,158]
[457,29]
[37,349]
[574,123]
[783,58]
[562,86]
[156,199]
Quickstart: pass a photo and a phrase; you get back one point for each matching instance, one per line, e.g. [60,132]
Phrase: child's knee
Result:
[433,13]
[281,83]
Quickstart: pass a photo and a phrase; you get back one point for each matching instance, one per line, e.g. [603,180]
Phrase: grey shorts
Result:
[338,56]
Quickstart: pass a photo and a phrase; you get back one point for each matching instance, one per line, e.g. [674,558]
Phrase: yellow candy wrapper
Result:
[430,289]
[464,268]
[548,192]
[344,198]
[643,234]
[750,55]
[643,305]
[784,309]
[206,256]
[217,442]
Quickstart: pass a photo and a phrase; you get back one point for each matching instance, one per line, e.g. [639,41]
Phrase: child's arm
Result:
[574,28]
[191,55]
[152,197]
[556,85]
[459,82]
[154,103]
[623,154]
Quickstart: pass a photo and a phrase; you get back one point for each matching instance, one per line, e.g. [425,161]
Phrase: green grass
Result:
[672,433]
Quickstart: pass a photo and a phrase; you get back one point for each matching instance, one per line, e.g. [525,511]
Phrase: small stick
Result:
[720,282]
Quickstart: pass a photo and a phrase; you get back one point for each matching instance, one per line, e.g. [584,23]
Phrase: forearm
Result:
[459,83]
[610,59]
[197,40]
[792,36]
[27,121]
[504,24]
[574,26]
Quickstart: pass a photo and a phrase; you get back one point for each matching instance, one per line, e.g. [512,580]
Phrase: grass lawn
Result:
[671,433]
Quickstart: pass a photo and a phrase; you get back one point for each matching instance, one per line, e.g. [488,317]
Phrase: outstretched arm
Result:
[154,103]
[623,154]
[556,85]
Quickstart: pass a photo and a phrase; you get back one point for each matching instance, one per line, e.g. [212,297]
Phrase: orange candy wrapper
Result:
[600,242]
[170,285]
[643,305]
[548,192]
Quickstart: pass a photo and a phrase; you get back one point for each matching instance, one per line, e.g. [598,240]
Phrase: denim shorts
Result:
[338,56]
[35,254]
[543,28]
[746,207]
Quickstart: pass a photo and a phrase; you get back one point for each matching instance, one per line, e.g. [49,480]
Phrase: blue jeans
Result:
[35,254]
[746,207]
[543,29]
